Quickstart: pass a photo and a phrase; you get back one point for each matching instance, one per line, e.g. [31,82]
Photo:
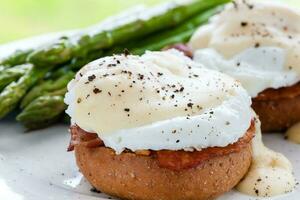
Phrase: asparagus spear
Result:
[46,87]
[13,93]
[85,50]
[58,73]
[63,50]
[183,37]
[42,112]
[12,74]
[180,34]
[17,58]
[58,53]
[78,62]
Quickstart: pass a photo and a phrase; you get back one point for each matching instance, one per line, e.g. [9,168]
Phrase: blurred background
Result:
[24,18]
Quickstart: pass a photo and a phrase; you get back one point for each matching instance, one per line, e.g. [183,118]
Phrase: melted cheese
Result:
[293,133]
[270,173]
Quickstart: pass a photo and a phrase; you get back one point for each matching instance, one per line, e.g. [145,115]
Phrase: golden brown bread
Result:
[137,177]
[278,109]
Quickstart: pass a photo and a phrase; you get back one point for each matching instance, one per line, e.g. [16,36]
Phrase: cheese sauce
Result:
[293,133]
[270,173]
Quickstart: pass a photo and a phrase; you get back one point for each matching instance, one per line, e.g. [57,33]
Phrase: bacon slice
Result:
[174,160]
[178,160]
[78,135]
[181,47]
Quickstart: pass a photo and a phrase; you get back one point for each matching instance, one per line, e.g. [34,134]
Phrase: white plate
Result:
[36,166]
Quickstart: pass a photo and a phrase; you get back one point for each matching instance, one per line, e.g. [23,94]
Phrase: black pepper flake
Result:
[126,109]
[199,107]
[92,77]
[177,141]
[159,74]
[174,131]
[256,191]
[95,190]
[211,112]
[126,52]
[243,24]
[96,90]
[141,76]
[238,64]
[181,89]
[111,65]
[109,93]
[172,96]
[190,105]
[79,100]
[118,62]
[257,45]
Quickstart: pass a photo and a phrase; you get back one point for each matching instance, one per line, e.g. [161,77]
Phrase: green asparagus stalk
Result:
[44,104]
[58,53]
[158,41]
[12,74]
[183,37]
[180,34]
[58,73]
[17,58]
[140,27]
[46,87]
[63,50]
[13,93]
[42,112]
[78,62]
